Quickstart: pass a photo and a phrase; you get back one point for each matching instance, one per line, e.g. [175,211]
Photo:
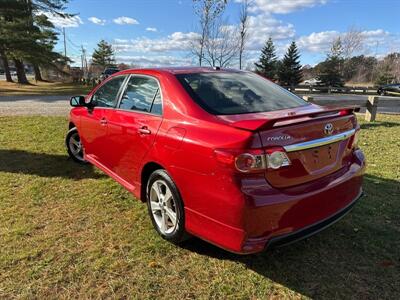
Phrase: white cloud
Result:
[121,41]
[125,21]
[263,26]
[59,21]
[282,6]
[177,41]
[97,21]
[318,41]
[154,61]
[321,42]
[153,29]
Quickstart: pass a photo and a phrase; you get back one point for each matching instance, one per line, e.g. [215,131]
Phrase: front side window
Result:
[141,94]
[106,95]
[227,93]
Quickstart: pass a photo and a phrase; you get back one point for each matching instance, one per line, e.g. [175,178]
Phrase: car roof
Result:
[184,70]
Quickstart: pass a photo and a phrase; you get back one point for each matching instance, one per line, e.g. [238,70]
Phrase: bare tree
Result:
[352,42]
[207,11]
[243,29]
[222,45]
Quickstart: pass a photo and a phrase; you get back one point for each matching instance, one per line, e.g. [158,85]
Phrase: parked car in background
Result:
[389,89]
[108,72]
[312,81]
[13,71]
[224,155]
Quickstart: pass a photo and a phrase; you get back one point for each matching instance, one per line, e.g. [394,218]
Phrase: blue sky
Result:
[158,32]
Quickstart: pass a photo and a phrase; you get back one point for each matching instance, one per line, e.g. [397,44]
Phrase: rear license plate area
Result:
[319,158]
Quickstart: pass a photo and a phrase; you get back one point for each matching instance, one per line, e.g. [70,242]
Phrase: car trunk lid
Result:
[315,138]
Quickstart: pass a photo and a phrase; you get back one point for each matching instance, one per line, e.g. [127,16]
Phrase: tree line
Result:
[340,66]
[27,35]
[221,45]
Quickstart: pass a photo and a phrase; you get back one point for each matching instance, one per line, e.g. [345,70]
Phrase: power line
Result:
[72,43]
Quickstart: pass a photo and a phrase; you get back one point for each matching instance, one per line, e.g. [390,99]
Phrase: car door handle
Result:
[103,121]
[144,130]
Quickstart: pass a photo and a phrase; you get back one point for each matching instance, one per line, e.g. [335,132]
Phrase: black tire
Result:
[381,92]
[77,157]
[179,234]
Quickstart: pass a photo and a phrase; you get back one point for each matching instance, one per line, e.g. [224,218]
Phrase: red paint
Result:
[240,212]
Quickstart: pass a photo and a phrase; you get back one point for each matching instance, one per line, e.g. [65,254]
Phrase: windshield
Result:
[227,93]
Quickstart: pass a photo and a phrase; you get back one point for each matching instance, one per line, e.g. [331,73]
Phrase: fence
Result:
[371,104]
[314,89]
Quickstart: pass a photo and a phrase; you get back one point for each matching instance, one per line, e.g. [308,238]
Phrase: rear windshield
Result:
[228,93]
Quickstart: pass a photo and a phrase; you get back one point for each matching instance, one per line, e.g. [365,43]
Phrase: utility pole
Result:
[65,47]
[84,61]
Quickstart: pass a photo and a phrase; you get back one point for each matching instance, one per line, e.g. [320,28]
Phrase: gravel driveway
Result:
[59,105]
[34,105]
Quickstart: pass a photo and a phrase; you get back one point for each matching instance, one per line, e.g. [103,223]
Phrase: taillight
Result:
[254,160]
[277,158]
[248,162]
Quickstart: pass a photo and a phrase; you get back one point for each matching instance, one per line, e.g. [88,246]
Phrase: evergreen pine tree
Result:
[330,70]
[290,68]
[26,34]
[267,64]
[104,55]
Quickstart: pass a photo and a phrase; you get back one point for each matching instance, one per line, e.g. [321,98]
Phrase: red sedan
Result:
[224,155]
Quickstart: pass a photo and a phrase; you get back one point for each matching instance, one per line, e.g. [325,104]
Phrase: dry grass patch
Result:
[69,231]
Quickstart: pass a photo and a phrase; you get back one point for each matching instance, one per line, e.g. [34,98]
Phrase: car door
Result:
[93,129]
[133,126]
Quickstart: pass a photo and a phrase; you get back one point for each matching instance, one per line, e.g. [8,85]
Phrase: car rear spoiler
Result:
[265,123]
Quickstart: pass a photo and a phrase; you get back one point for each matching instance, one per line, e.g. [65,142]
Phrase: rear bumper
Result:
[272,217]
[269,217]
[273,223]
[308,231]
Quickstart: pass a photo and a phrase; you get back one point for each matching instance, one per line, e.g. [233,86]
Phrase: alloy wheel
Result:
[163,207]
[75,146]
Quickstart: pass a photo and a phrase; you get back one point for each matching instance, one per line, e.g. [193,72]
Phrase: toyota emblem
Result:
[328,129]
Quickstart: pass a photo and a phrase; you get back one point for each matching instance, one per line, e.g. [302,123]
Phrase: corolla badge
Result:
[279,138]
[328,129]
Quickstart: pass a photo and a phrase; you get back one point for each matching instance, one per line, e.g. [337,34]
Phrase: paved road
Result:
[391,110]
[59,105]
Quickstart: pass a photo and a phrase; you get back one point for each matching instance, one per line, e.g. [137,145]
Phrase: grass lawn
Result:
[42,88]
[69,231]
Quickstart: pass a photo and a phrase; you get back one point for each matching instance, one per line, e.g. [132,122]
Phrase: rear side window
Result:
[223,93]
[142,94]
[106,95]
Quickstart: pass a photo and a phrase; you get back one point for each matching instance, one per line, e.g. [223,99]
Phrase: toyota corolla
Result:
[224,155]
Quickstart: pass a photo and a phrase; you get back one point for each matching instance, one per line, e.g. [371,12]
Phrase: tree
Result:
[352,42]
[208,11]
[359,68]
[388,69]
[290,68]
[243,30]
[12,33]
[330,70]
[221,47]
[267,64]
[27,34]
[123,66]
[43,34]
[6,65]
[103,55]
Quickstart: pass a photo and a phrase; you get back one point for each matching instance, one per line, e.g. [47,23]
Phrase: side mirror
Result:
[77,101]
